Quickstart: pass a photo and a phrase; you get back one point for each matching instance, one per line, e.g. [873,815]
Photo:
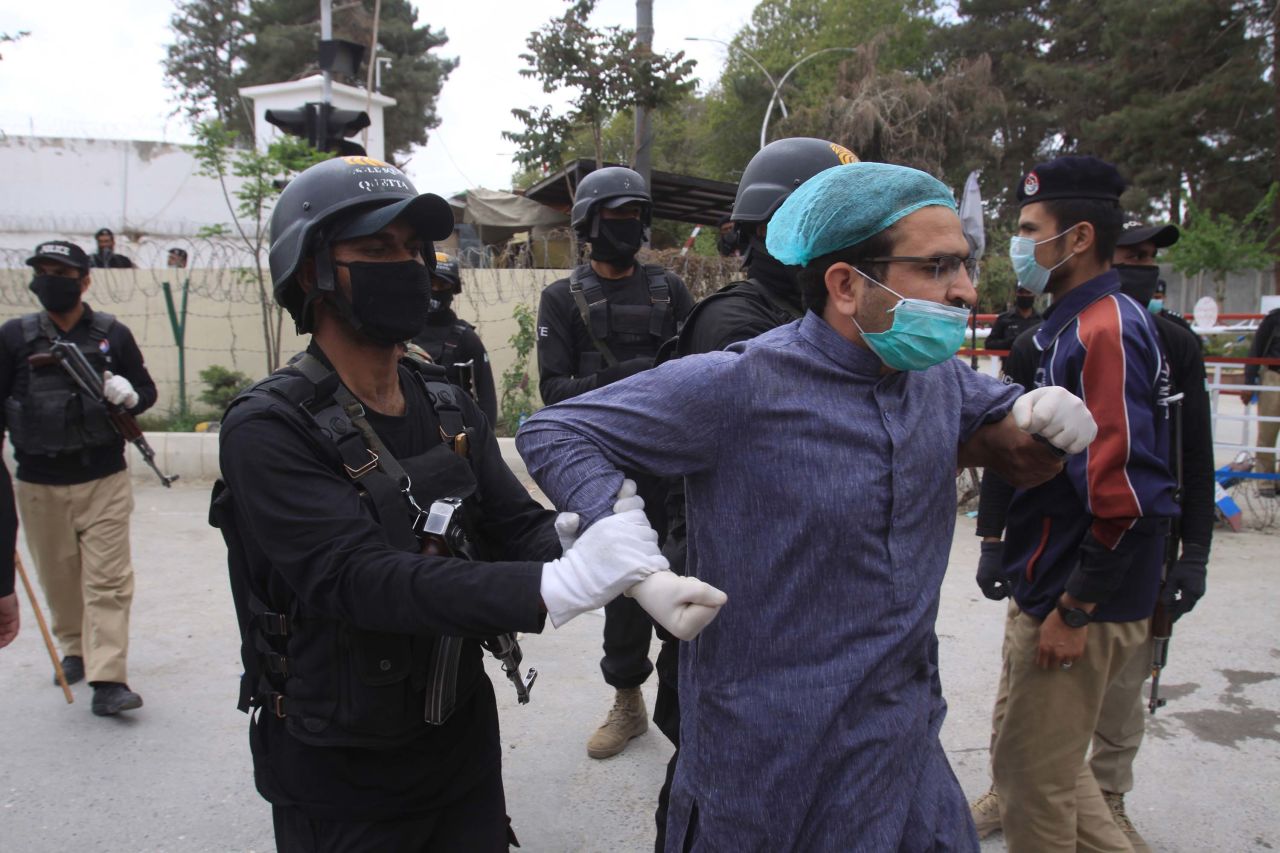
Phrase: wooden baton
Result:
[44,629]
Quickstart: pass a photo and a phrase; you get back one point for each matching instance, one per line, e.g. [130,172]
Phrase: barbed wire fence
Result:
[224,315]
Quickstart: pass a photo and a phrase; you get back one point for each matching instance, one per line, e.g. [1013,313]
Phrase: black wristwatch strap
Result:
[1074,617]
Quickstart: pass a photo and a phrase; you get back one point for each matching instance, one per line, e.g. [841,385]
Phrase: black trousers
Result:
[628,630]
[664,801]
[477,822]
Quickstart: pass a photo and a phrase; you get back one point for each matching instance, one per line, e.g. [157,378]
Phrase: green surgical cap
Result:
[844,205]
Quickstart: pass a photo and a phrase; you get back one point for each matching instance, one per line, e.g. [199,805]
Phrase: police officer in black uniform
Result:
[71,465]
[10,615]
[1011,323]
[604,323]
[376,539]
[767,298]
[453,343]
[105,257]
[1121,722]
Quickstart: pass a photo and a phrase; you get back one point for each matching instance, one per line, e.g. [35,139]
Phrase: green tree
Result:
[937,123]
[1172,92]
[1218,244]
[607,71]
[250,199]
[221,46]
[780,33]
[518,401]
[202,63]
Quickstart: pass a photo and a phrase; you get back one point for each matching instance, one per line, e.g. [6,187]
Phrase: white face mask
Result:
[1030,274]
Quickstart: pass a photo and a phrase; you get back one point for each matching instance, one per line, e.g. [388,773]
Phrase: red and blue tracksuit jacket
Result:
[1098,529]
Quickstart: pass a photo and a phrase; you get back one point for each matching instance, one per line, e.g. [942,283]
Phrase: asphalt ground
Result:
[175,775]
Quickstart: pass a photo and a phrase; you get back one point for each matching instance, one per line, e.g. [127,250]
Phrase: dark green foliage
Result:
[203,63]
[223,45]
[609,74]
[223,386]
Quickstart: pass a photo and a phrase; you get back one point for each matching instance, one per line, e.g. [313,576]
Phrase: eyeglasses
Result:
[945,268]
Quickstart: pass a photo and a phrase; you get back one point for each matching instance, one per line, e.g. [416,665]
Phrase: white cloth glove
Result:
[567,522]
[617,552]
[119,391]
[1056,415]
[684,606]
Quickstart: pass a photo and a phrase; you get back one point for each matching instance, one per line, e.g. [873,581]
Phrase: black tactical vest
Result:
[441,343]
[621,332]
[335,684]
[56,416]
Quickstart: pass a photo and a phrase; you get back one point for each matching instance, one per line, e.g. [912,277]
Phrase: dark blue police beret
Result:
[1071,177]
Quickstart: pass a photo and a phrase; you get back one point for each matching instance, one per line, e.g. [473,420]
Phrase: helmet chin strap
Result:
[327,286]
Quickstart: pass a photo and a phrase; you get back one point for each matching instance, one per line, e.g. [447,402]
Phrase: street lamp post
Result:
[777,88]
[755,62]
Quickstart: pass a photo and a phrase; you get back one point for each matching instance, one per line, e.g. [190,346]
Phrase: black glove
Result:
[622,370]
[991,577]
[1184,585]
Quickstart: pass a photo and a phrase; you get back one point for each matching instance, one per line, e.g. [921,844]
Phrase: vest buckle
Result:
[357,473]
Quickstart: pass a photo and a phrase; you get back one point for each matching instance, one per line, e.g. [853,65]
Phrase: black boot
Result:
[111,697]
[72,669]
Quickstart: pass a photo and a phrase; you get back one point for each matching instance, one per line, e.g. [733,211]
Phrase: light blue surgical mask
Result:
[1029,272]
[923,333]
[1155,306]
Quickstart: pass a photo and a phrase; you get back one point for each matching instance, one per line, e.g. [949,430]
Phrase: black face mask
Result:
[56,293]
[765,267]
[1026,303]
[389,301]
[618,242]
[727,244]
[1138,281]
[440,301]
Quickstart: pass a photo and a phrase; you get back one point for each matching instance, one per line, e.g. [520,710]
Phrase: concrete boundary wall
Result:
[224,317]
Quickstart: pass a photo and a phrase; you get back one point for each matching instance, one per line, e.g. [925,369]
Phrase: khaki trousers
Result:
[79,538]
[1049,799]
[1268,406]
[1121,722]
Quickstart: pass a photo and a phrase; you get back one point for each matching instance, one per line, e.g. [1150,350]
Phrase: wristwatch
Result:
[1074,617]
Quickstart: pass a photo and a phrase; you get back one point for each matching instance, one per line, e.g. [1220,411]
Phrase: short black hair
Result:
[812,277]
[104,232]
[1104,215]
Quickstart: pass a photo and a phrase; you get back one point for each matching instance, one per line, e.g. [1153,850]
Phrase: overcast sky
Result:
[93,70]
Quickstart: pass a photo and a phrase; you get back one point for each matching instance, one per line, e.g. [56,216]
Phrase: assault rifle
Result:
[72,360]
[442,534]
[1161,622]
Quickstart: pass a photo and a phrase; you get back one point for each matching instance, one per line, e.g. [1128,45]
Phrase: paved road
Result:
[175,776]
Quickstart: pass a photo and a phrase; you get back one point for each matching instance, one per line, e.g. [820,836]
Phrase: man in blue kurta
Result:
[818,462]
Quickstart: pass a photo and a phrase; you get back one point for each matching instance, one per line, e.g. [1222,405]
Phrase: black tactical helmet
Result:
[446,269]
[776,171]
[341,199]
[612,186]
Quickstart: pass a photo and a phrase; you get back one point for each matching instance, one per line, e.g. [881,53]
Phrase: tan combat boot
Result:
[986,813]
[1116,803]
[627,719]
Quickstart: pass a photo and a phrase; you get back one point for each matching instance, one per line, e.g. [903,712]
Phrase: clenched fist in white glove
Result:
[119,391]
[617,552]
[1056,415]
[684,606]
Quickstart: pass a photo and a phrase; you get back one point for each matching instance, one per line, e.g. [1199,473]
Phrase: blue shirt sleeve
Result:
[668,422]
[983,399]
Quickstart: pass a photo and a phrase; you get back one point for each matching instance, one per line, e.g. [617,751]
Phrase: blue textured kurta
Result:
[821,498]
